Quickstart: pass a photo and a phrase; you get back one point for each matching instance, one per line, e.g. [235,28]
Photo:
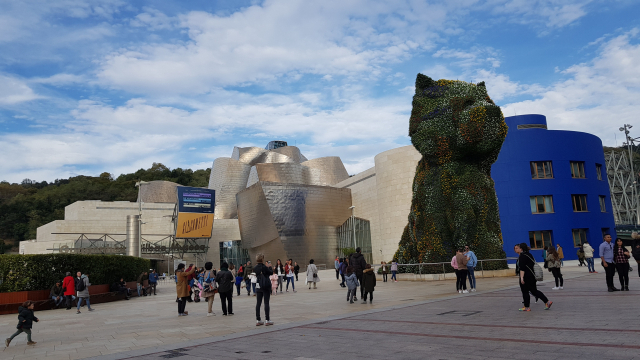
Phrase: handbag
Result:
[210,284]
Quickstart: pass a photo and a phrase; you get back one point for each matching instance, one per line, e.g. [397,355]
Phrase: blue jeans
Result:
[393,275]
[472,277]
[238,287]
[139,290]
[590,264]
[290,280]
[80,302]
[59,301]
[247,283]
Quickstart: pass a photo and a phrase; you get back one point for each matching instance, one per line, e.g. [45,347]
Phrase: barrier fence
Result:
[445,267]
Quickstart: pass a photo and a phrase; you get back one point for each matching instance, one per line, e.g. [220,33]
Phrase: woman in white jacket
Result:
[312,274]
[588,256]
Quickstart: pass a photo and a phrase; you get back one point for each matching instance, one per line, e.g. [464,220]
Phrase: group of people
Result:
[616,258]
[464,263]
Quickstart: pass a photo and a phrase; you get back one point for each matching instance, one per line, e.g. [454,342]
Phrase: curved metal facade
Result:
[515,185]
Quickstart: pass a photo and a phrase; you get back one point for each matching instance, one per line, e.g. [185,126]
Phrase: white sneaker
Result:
[555,288]
[259,323]
[211,314]
[561,287]
[473,290]
[268,323]
[459,291]
[465,292]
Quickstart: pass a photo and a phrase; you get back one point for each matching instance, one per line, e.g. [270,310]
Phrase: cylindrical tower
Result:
[133,228]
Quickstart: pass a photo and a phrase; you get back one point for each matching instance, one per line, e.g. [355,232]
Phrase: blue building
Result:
[552,188]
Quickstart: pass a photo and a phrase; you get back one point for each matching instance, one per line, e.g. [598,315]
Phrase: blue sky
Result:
[93,86]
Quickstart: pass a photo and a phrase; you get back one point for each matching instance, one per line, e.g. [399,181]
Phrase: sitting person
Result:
[57,295]
[122,287]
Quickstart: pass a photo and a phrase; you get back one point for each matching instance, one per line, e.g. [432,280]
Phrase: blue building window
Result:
[599,171]
[577,170]
[541,204]
[579,203]
[541,170]
[579,236]
[539,239]
[603,203]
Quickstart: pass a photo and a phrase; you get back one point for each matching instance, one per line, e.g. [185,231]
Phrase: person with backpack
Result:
[209,287]
[224,279]
[553,264]
[263,289]
[82,287]
[527,275]
[352,284]
[25,322]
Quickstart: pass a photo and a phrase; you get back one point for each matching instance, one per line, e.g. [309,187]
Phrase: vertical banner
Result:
[195,212]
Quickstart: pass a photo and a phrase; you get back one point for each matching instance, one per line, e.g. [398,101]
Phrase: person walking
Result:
[358,262]
[280,272]
[553,264]
[248,270]
[368,283]
[288,270]
[472,262]
[560,254]
[69,288]
[336,264]
[312,274]
[25,322]
[528,279]
[385,271]
[459,264]
[296,269]
[518,251]
[209,287]
[153,282]
[580,254]
[82,287]
[239,280]
[588,256]
[636,254]
[607,261]
[264,292]
[224,279]
[621,258]
[182,287]
[343,270]
[56,294]
[394,271]
[352,284]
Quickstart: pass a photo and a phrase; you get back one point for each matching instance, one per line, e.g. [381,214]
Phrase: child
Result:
[25,321]
[274,283]
[254,280]
[368,283]
[239,282]
[352,284]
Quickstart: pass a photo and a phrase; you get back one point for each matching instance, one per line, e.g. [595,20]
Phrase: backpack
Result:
[537,270]
[80,285]
[264,281]
[210,283]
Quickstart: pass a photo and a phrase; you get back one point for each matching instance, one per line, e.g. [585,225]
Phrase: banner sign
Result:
[192,225]
[195,212]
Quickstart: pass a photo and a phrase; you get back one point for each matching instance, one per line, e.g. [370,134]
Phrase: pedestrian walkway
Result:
[411,319]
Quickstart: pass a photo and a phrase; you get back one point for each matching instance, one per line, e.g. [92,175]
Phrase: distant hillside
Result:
[25,207]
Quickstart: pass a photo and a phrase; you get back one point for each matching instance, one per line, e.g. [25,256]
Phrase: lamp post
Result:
[139,186]
[353,225]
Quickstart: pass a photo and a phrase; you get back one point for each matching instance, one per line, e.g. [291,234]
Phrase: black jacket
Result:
[296,269]
[358,263]
[636,253]
[56,291]
[262,269]
[225,281]
[25,318]
[525,263]
[247,271]
[368,280]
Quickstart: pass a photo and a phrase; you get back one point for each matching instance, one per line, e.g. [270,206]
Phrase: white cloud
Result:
[597,96]
[553,13]
[14,90]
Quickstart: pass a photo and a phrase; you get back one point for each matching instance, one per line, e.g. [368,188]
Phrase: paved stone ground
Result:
[407,320]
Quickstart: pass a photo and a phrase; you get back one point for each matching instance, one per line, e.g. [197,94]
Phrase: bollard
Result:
[482,269]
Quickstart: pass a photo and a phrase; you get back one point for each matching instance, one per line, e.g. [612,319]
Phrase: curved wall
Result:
[514,185]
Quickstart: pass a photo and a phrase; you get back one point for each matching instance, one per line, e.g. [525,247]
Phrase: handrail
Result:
[443,265]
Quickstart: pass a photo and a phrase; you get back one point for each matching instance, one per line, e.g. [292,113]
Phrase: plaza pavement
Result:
[407,320]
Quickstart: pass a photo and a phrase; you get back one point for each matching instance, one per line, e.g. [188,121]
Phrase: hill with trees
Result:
[26,206]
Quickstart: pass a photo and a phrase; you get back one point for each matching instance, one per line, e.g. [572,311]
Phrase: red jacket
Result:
[70,284]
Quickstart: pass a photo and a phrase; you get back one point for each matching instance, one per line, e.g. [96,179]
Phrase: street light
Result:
[139,186]
[353,225]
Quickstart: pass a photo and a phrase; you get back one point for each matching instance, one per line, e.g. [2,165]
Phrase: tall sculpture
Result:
[459,131]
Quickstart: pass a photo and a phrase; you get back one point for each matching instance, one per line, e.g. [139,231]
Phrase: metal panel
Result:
[158,192]
[133,231]
[292,220]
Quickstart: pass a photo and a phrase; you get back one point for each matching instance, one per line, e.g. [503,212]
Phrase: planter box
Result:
[9,302]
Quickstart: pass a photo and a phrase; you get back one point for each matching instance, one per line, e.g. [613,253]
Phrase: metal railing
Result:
[442,264]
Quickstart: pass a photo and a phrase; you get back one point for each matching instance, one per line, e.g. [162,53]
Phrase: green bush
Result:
[347,252]
[40,272]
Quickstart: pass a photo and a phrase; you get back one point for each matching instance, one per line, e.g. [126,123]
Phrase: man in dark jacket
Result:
[358,263]
[368,283]
[247,281]
[225,281]
[57,295]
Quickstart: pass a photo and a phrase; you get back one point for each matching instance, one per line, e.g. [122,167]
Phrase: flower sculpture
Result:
[459,131]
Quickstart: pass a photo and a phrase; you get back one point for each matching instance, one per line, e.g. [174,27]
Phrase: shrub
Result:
[40,272]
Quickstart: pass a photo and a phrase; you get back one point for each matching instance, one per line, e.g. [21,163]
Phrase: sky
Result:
[89,86]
